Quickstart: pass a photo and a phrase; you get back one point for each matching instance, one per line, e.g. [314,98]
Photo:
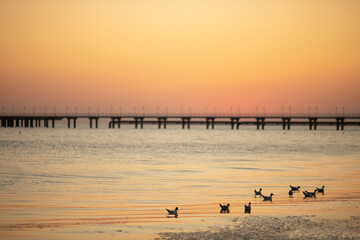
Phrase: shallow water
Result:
[64,183]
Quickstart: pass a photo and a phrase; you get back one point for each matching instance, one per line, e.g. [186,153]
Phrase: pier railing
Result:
[180,115]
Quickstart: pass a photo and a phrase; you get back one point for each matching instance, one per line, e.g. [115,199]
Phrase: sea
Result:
[66,183]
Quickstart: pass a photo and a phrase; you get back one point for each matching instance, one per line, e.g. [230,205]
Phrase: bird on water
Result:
[310,194]
[267,198]
[173,212]
[321,190]
[257,193]
[224,208]
[295,188]
[248,208]
[291,193]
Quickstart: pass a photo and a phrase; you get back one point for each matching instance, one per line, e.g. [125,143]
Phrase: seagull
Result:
[248,208]
[258,193]
[267,198]
[313,193]
[224,208]
[307,194]
[310,194]
[173,212]
[295,188]
[320,190]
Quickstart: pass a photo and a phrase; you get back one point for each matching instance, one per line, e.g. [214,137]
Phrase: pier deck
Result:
[185,120]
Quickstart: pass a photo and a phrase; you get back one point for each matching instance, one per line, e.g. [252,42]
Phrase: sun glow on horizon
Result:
[180,53]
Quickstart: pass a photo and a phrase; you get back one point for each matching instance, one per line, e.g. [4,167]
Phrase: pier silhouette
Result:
[184,120]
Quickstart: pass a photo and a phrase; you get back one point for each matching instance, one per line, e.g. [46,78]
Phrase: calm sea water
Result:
[115,179]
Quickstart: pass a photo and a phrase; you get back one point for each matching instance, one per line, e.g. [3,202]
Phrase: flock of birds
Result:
[226,208]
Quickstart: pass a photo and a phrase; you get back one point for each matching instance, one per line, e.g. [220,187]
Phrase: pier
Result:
[235,121]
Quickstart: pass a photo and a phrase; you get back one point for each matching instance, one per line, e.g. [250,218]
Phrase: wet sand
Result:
[277,227]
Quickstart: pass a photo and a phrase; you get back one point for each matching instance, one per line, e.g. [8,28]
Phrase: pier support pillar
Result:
[260,121]
[9,121]
[340,123]
[90,119]
[289,123]
[137,121]
[69,119]
[160,119]
[312,122]
[210,120]
[185,121]
[17,122]
[53,123]
[234,121]
[97,122]
[286,121]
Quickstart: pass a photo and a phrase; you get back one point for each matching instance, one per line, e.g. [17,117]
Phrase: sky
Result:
[180,55]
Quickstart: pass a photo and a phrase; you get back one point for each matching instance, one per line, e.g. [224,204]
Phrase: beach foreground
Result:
[277,227]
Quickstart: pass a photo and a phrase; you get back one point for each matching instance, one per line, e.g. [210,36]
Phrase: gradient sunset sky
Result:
[182,53]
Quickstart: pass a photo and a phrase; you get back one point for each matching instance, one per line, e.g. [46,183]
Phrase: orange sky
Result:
[181,53]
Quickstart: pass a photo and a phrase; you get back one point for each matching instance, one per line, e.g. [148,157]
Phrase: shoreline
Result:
[319,220]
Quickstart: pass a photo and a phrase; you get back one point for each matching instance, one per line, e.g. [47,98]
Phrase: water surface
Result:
[117,182]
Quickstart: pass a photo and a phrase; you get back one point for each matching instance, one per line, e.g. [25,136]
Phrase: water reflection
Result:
[55,178]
